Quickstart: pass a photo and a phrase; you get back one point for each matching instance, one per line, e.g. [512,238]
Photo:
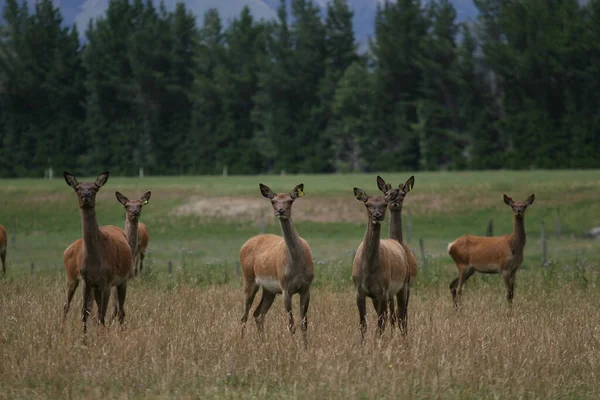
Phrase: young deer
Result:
[380,268]
[3,242]
[491,255]
[395,199]
[278,264]
[136,232]
[102,257]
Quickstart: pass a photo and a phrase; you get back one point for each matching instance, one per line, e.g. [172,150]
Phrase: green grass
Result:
[182,337]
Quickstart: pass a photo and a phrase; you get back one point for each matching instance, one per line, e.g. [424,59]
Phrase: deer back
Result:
[481,250]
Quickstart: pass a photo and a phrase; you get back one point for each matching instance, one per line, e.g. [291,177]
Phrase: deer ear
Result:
[410,183]
[381,184]
[530,200]
[266,191]
[101,179]
[360,195]
[120,198]
[298,191]
[508,200]
[70,179]
[146,198]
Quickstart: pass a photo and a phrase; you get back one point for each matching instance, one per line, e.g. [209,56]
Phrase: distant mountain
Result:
[81,11]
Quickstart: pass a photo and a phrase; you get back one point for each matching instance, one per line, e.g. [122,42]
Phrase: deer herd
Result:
[106,257]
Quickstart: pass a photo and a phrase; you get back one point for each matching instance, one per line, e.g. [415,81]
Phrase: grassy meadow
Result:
[182,336]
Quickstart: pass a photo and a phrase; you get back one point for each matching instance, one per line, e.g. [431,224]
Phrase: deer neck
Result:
[90,232]
[518,234]
[131,232]
[396,224]
[292,240]
[371,245]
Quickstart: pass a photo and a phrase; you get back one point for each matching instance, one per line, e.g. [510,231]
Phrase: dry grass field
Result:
[182,336]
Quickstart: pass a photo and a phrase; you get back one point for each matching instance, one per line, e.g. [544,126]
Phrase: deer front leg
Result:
[362,310]
[304,301]
[87,305]
[509,282]
[382,313]
[402,298]
[287,303]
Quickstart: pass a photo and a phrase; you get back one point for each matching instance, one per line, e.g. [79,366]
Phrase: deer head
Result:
[519,207]
[86,191]
[399,193]
[133,208]
[376,205]
[282,202]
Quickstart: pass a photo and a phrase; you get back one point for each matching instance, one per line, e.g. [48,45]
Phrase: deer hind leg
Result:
[382,314]
[141,260]
[87,305]
[463,275]
[250,290]
[392,312]
[121,294]
[287,304]
[266,301]
[99,296]
[71,288]
[362,310]
[304,302]
[402,297]
[115,304]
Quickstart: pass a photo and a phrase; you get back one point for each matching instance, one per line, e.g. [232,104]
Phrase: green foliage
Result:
[149,89]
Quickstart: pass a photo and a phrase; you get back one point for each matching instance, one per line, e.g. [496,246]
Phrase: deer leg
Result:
[121,294]
[104,295]
[509,282]
[250,290]
[287,304]
[141,259]
[98,296]
[71,287]
[382,314]
[87,305]
[453,285]
[266,301]
[392,312]
[3,256]
[402,298]
[304,301]
[115,304]
[463,275]
[135,265]
[362,310]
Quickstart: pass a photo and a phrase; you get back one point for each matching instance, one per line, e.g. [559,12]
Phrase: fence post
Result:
[32,268]
[557,224]
[141,172]
[14,232]
[490,227]
[543,239]
[422,246]
[170,268]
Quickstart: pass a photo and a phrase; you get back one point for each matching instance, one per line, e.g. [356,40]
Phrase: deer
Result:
[135,231]
[3,245]
[278,264]
[395,199]
[491,255]
[102,258]
[380,269]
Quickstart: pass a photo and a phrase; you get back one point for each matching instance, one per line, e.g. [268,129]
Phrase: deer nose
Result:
[377,215]
[281,211]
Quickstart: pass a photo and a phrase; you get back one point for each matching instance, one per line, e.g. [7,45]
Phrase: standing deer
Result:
[491,255]
[136,232]
[395,200]
[278,264]
[102,258]
[3,242]
[380,268]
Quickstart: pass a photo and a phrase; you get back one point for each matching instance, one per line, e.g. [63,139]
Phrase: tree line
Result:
[517,88]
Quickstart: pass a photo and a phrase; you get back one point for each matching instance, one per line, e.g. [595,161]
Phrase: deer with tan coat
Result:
[395,199]
[491,255]
[3,243]
[278,264]
[380,268]
[102,258]
[136,232]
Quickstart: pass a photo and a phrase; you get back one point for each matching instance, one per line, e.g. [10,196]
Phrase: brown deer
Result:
[136,232]
[278,264]
[395,199]
[102,258]
[380,269]
[3,242]
[491,255]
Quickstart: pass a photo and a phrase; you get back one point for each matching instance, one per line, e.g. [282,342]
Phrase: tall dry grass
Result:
[185,343]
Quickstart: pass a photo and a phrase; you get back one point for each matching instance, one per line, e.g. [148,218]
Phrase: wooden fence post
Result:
[543,239]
